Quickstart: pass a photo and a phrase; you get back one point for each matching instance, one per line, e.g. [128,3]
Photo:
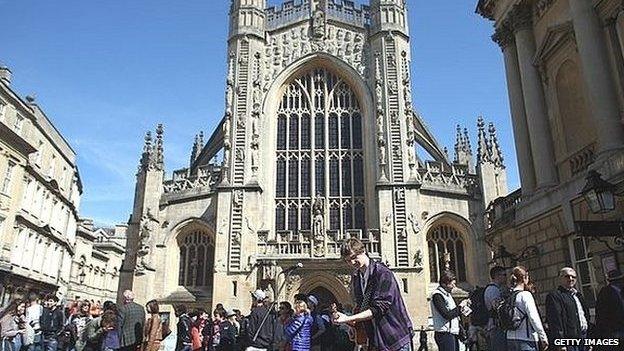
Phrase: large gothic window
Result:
[319,154]
[446,250]
[196,259]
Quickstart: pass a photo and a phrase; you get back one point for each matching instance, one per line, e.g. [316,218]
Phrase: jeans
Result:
[407,347]
[446,341]
[521,345]
[251,348]
[12,344]
[497,339]
[37,345]
[50,344]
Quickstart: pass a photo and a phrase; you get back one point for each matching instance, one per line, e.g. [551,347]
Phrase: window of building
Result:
[39,156]
[3,109]
[196,259]
[584,270]
[319,153]
[446,250]
[19,123]
[8,174]
[52,168]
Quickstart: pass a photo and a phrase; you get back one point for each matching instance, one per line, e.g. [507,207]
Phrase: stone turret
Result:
[144,223]
[198,145]
[389,15]
[247,17]
[490,164]
[463,149]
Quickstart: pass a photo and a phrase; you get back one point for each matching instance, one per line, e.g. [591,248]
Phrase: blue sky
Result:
[105,71]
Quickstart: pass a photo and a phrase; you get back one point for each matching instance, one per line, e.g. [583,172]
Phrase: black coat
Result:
[562,314]
[610,312]
[184,332]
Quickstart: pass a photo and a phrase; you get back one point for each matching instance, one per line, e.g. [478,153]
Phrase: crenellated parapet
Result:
[207,178]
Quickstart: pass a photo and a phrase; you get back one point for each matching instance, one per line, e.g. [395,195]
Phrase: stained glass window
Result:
[446,247]
[196,260]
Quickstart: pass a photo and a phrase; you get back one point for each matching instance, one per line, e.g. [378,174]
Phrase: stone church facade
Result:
[319,142]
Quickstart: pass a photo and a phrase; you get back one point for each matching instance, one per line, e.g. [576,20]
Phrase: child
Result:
[300,329]
[227,331]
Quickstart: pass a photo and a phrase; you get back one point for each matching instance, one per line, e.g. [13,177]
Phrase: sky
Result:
[106,71]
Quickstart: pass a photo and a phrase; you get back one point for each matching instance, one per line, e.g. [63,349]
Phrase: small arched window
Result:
[196,259]
[446,249]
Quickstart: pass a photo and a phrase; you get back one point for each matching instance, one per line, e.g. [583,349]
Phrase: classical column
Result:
[595,62]
[504,38]
[534,102]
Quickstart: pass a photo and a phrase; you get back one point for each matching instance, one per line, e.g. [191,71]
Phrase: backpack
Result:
[480,314]
[505,315]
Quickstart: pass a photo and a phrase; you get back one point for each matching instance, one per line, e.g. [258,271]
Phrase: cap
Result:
[259,295]
[230,312]
[312,300]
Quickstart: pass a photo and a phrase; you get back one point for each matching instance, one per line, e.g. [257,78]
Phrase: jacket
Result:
[299,332]
[265,338]
[51,321]
[227,336]
[391,328]
[563,316]
[184,332]
[132,321]
[153,333]
[445,312]
[610,312]
[94,334]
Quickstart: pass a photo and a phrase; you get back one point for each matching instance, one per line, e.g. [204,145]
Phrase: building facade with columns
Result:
[565,77]
[319,142]
[39,197]
[96,264]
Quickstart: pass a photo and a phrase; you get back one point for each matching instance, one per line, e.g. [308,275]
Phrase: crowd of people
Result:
[501,316]
[504,315]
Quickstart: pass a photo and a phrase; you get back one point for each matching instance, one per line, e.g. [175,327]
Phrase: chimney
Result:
[5,74]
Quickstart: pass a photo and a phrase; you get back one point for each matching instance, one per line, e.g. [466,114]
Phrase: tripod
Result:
[271,308]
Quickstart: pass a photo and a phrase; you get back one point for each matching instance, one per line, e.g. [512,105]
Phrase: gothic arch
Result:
[326,281]
[270,112]
[466,233]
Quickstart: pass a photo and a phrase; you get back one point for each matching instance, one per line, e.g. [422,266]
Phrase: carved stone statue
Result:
[318,228]
[418,258]
[318,24]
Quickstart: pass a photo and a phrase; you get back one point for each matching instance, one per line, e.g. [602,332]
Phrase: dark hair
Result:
[301,296]
[180,309]
[12,307]
[495,271]
[286,304]
[152,306]
[352,246]
[83,304]
[221,312]
[109,318]
[109,306]
[33,296]
[446,277]
[52,297]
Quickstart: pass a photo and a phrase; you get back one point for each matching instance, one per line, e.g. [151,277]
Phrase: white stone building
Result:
[320,142]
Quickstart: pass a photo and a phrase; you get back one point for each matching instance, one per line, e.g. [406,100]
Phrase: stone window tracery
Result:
[446,249]
[319,115]
[196,259]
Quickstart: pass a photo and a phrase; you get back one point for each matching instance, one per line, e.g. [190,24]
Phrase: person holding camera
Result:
[446,313]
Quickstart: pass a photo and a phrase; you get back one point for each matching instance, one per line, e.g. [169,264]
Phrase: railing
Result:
[301,243]
[297,10]
[439,175]
[206,177]
[503,210]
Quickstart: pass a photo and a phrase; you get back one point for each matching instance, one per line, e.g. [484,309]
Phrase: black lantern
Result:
[598,193]
[82,276]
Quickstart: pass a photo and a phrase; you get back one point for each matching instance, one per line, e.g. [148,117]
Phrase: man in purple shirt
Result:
[377,296]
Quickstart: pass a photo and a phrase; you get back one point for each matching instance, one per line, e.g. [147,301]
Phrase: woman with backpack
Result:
[526,332]
[446,314]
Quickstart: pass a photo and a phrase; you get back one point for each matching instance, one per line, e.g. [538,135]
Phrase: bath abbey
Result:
[319,141]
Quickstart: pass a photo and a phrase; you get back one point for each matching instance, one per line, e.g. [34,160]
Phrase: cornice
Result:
[521,17]
[15,141]
[503,36]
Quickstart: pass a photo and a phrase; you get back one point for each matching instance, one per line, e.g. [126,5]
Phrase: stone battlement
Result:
[293,11]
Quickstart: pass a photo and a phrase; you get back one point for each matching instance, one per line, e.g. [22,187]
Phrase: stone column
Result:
[534,102]
[504,38]
[592,50]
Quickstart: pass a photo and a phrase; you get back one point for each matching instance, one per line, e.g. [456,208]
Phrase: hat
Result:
[615,274]
[259,295]
[312,300]
[230,312]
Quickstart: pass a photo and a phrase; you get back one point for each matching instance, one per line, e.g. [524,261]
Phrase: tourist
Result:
[183,342]
[152,335]
[78,323]
[261,337]
[446,313]
[199,323]
[383,303]
[530,334]
[610,307]
[215,338]
[285,315]
[101,332]
[33,316]
[492,296]
[227,331]
[566,312]
[52,321]
[12,325]
[298,332]
[132,321]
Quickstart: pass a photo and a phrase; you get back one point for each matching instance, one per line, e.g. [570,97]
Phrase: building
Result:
[39,198]
[99,253]
[320,142]
[564,66]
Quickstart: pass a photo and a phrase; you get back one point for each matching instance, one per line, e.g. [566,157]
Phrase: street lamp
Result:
[598,193]
[82,276]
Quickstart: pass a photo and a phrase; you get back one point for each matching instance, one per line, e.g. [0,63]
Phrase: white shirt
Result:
[581,312]
[491,296]
[525,305]
[33,313]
